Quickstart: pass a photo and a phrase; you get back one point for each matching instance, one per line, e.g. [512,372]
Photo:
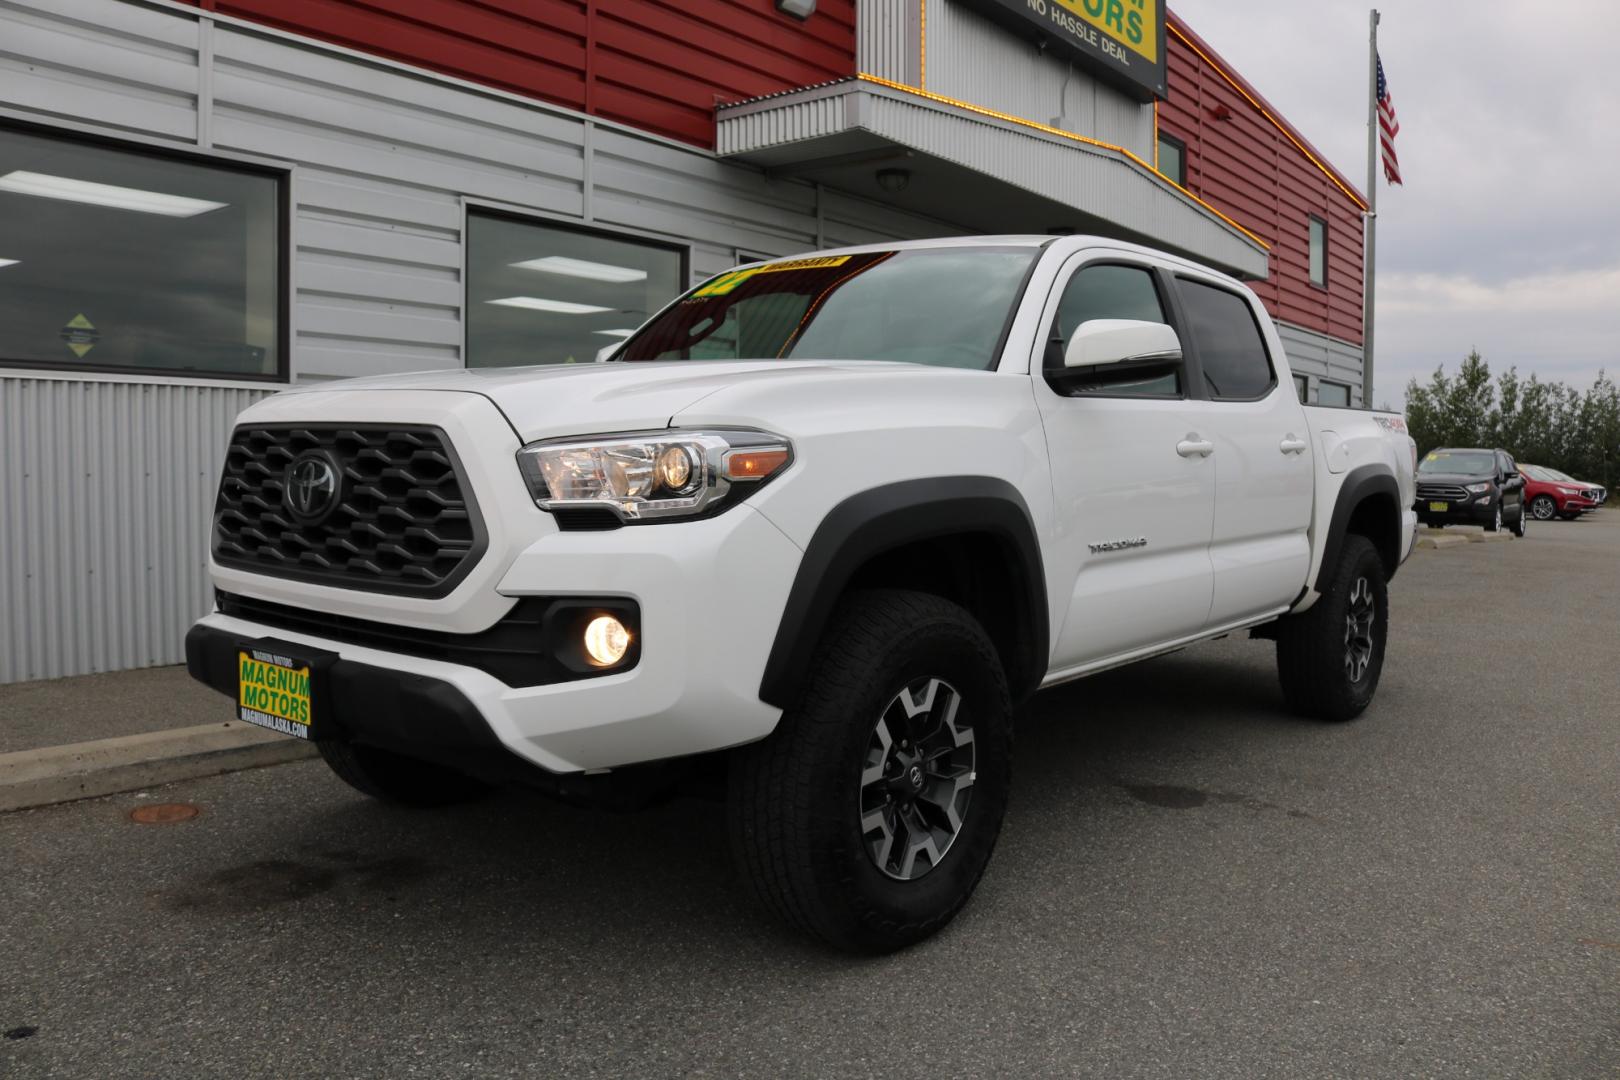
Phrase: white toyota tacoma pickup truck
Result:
[808,537]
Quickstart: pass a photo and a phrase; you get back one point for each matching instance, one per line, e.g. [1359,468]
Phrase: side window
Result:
[1333,393]
[1114,292]
[1230,347]
[1302,387]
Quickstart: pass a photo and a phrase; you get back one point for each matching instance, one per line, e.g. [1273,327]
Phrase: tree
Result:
[1544,423]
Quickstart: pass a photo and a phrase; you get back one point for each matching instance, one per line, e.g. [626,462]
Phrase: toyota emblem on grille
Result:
[310,486]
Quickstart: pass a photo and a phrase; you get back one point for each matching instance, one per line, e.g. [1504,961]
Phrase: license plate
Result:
[1438,507]
[273,691]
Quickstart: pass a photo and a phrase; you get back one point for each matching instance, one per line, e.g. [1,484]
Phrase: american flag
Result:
[1389,127]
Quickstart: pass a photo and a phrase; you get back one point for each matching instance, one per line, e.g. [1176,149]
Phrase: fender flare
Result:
[883,518]
[1359,483]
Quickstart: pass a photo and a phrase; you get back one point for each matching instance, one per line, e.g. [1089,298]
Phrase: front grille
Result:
[1453,492]
[1591,494]
[400,519]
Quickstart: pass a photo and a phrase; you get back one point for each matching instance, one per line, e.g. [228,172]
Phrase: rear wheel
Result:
[1329,657]
[1521,524]
[1543,507]
[396,778]
[868,816]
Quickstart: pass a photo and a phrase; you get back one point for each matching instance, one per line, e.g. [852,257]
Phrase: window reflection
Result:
[124,259]
[542,294]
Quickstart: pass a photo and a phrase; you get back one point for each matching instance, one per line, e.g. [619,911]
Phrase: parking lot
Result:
[1190,883]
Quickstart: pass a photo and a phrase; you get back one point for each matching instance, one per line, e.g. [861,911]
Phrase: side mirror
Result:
[1119,341]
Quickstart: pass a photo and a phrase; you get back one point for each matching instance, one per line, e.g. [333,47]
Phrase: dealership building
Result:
[203,202]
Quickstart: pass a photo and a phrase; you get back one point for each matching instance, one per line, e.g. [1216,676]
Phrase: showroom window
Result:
[539,293]
[1332,393]
[1318,251]
[1173,158]
[130,260]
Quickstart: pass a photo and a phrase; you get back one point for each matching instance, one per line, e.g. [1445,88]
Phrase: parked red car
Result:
[1550,493]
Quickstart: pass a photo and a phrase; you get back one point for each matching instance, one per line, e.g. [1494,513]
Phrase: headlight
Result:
[1570,491]
[661,474]
[1478,488]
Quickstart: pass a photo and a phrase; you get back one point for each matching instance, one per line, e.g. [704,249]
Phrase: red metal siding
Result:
[660,65]
[1255,170]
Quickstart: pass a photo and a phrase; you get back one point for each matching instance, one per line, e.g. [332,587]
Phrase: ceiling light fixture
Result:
[560,307]
[583,268]
[799,9]
[46,186]
[893,180]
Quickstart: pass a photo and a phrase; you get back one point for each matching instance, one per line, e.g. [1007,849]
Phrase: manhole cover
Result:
[163,813]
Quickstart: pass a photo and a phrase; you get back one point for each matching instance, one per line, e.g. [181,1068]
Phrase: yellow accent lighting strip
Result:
[922,43]
[1261,109]
[1021,122]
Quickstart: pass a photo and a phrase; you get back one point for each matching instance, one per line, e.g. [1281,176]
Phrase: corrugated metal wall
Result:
[658,64]
[972,59]
[887,33]
[382,162]
[105,496]
[1322,357]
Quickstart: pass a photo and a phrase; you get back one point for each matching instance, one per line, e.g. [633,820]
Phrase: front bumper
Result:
[711,595]
[1473,512]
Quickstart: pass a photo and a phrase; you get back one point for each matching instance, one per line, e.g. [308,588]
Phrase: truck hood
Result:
[585,399]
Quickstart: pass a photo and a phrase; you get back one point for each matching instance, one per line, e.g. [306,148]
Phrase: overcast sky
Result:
[1506,234]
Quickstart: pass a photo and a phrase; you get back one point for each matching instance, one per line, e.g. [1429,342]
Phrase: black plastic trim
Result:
[881,519]
[1358,484]
[536,643]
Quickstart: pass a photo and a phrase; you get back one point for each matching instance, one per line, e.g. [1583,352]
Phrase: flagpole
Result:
[1371,231]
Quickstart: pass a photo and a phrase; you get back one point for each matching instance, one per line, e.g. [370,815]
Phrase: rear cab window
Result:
[1231,349]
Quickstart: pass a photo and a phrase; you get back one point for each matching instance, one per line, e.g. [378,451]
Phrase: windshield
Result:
[1536,472]
[942,306]
[1554,474]
[1466,462]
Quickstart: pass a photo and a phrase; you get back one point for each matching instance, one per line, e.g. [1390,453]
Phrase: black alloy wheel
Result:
[1330,656]
[868,816]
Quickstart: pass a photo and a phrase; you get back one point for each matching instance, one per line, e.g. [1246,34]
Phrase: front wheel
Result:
[1543,507]
[1329,657]
[1521,524]
[1495,524]
[868,816]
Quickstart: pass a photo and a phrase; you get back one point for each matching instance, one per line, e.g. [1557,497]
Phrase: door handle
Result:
[1291,444]
[1193,445]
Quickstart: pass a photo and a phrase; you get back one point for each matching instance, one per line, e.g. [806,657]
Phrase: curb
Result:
[58,774]
[1441,540]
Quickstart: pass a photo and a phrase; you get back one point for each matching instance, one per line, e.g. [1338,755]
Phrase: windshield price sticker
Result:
[728,281]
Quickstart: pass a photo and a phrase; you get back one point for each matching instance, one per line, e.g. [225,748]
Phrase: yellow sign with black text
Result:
[1121,41]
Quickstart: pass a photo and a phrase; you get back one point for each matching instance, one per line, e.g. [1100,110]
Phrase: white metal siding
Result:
[972,59]
[887,36]
[101,550]
[105,499]
[1322,357]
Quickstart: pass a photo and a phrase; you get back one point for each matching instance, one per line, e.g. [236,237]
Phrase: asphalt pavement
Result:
[1190,884]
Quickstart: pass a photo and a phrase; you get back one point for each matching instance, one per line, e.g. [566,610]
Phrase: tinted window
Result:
[1318,251]
[1173,159]
[1332,393]
[541,294]
[1115,292]
[121,259]
[1233,354]
[1302,387]
[941,306]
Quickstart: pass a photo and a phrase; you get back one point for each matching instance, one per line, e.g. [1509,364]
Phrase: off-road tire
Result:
[1312,646]
[396,778]
[794,799]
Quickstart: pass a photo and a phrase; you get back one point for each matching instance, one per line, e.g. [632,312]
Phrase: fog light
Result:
[606,640]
